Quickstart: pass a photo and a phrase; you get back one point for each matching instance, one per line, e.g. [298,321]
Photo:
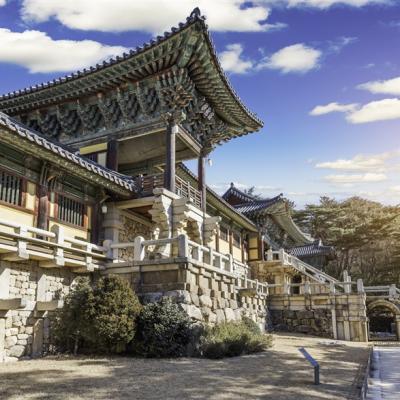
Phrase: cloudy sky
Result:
[324,76]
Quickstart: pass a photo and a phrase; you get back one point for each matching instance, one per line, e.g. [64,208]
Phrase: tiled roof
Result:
[312,249]
[246,203]
[63,152]
[227,92]
[258,205]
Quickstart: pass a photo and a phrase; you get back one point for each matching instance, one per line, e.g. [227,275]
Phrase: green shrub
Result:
[232,339]
[99,318]
[163,330]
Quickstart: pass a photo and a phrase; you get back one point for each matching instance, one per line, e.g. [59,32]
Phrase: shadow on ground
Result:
[279,373]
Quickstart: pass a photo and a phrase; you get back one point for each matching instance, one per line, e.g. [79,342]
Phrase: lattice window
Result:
[10,188]
[70,211]
[223,233]
[236,239]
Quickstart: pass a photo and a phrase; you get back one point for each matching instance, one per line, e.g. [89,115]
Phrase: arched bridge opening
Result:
[384,319]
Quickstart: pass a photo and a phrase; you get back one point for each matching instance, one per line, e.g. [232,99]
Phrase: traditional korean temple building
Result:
[92,181]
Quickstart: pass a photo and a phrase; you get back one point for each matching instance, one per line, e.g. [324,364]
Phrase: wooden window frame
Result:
[23,189]
[85,219]
[224,233]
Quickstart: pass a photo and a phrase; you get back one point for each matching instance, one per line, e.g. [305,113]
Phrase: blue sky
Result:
[324,76]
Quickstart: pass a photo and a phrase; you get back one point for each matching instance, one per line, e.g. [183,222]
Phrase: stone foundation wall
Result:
[206,295]
[25,331]
[316,322]
[342,316]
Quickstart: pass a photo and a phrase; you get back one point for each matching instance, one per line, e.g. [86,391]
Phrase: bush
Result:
[99,318]
[232,339]
[163,330]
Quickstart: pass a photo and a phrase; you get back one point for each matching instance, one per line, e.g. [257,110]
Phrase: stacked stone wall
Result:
[207,296]
[317,322]
[25,331]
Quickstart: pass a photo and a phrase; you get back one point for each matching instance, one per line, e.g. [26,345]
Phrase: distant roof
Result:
[312,249]
[35,139]
[218,202]
[249,204]
[277,207]
[189,45]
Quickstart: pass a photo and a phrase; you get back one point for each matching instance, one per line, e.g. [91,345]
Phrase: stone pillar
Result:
[112,154]
[112,225]
[2,338]
[397,320]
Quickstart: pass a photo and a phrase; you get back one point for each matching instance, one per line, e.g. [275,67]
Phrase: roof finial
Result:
[195,13]
[232,185]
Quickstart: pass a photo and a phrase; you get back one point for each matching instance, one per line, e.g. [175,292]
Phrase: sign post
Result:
[313,363]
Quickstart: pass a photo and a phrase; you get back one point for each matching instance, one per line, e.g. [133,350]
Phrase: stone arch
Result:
[391,306]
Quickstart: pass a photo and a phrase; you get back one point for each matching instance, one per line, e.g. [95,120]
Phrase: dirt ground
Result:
[280,373]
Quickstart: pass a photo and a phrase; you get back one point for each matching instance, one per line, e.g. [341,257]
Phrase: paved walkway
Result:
[385,374]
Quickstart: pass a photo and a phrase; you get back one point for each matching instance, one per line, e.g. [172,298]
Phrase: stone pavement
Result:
[385,374]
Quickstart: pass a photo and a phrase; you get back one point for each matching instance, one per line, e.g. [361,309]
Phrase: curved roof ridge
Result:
[195,16]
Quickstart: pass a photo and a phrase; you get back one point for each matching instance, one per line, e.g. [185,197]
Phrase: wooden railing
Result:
[185,189]
[182,188]
[50,248]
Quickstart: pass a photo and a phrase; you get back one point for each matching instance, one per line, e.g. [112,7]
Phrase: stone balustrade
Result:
[51,248]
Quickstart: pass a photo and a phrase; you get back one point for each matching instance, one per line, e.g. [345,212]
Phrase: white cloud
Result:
[323,4]
[3,2]
[381,110]
[390,86]
[333,107]
[297,58]
[361,162]
[231,61]
[38,52]
[152,16]
[356,178]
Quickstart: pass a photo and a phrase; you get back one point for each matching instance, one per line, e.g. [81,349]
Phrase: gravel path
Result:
[280,373]
[385,374]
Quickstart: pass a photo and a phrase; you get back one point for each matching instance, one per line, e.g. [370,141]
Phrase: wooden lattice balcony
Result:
[182,188]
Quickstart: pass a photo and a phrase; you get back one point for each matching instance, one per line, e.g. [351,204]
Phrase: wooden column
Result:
[201,173]
[112,155]
[169,175]
[43,195]
[43,211]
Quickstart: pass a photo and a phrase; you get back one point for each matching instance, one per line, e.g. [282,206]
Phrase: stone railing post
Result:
[360,286]
[332,289]
[392,291]
[282,255]
[230,262]
[286,289]
[21,243]
[307,288]
[138,249]
[59,239]
[183,246]
[270,255]
[109,251]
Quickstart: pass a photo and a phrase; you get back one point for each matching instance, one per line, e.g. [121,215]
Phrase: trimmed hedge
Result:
[163,330]
[232,339]
[97,318]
